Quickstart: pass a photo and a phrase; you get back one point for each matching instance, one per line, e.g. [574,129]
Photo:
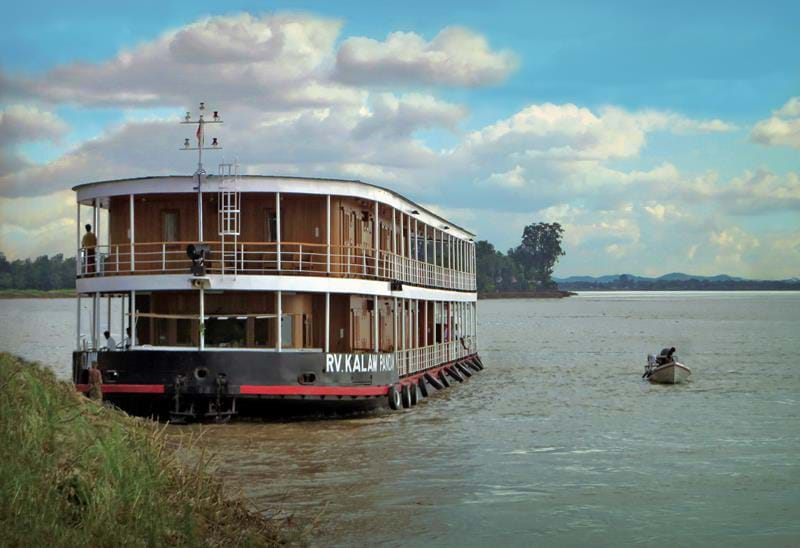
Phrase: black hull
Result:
[217,384]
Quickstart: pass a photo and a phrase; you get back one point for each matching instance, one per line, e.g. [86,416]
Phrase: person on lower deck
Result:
[111,344]
[126,343]
[95,383]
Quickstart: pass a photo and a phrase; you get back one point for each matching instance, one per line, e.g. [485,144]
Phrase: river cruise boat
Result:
[235,294]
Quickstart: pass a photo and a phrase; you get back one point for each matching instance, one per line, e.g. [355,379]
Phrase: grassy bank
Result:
[75,473]
[36,293]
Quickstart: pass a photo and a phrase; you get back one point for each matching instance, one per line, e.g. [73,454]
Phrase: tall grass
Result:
[75,473]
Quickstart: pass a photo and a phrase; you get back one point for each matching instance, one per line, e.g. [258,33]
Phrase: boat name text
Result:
[352,363]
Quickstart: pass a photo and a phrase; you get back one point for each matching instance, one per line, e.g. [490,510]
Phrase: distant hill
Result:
[673,281]
[672,276]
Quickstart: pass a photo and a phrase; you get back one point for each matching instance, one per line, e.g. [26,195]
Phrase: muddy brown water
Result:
[557,442]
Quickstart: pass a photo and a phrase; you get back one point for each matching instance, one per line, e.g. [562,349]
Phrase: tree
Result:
[496,271]
[538,253]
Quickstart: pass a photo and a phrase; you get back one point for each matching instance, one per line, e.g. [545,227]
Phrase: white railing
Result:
[415,360]
[265,258]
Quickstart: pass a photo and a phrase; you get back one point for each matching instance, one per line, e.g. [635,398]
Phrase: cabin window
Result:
[169,225]
[287,331]
[162,331]
[228,332]
[183,333]
[262,329]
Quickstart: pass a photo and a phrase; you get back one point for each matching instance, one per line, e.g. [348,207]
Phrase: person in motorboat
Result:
[666,356]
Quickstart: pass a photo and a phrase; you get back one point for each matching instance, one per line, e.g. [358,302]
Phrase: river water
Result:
[557,442]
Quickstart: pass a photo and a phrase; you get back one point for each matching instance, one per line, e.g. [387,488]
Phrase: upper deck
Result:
[284,226]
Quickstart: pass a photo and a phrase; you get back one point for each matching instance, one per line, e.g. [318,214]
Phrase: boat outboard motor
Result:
[198,253]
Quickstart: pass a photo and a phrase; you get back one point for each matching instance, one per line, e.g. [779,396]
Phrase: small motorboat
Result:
[665,368]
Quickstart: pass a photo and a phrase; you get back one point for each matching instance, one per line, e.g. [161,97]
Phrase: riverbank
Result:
[36,293]
[76,473]
[542,294]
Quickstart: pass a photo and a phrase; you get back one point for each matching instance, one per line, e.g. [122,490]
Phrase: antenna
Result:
[200,135]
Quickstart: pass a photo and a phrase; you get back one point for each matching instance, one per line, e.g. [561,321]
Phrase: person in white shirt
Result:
[111,344]
[127,340]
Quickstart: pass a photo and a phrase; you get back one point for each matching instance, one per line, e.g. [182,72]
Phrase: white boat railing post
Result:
[328,233]
[327,321]
[394,242]
[278,227]
[279,308]
[375,323]
[132,231]
[376,230]
[78,257]
[132,317]
[78,324]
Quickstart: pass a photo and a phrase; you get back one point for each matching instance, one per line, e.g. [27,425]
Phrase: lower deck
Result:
[233,345]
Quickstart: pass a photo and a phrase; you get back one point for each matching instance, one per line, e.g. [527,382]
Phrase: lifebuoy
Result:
[394,398]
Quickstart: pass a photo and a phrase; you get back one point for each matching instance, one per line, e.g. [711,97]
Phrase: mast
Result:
[200,173]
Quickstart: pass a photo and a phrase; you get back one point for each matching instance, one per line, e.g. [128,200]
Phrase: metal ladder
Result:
[229,217]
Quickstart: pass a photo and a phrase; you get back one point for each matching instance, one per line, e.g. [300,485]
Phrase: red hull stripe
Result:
[268,390]
[126,388]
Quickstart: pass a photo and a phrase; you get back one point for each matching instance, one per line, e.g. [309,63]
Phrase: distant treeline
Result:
[43,273]
[527,267]
[626,283]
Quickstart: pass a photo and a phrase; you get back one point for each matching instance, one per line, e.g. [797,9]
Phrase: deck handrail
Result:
[300,258]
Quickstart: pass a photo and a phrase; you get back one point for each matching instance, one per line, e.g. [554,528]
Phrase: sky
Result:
[663,136]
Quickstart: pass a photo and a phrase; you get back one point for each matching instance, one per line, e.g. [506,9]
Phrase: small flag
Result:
[199,134]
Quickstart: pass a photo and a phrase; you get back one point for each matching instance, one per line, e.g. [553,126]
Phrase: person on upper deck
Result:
[89,243]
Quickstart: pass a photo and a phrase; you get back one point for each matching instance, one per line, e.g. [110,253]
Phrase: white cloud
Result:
[664,212]
[455,57]
[24,123]
[780,129]
[38,226]
[401,116]
[272,62]
[515,178]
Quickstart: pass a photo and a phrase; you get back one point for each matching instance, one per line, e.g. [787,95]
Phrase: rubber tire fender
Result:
[434,382]
[453,372]
[394,398]
[463,369]
[443,379]
[412,388]
[423,388]
[405,396]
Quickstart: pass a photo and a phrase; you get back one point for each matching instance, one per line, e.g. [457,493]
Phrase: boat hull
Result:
[200,383]
[671,373]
